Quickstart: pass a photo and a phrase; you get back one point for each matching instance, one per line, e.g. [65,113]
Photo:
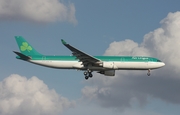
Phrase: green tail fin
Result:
[25,47]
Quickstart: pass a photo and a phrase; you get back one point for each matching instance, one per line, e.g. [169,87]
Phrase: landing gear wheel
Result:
[86,77]
[85,73]
[90,75]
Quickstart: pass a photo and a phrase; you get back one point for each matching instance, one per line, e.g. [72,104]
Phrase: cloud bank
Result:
[22,96]
[43,11]
[128,87]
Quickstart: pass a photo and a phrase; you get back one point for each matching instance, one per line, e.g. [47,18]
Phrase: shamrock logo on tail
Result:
[25,47]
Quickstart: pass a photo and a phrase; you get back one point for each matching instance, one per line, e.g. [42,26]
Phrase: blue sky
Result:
[92,26]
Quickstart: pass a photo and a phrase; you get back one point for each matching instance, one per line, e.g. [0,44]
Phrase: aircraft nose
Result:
[163,64]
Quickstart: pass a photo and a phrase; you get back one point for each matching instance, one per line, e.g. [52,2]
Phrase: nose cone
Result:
[162,64]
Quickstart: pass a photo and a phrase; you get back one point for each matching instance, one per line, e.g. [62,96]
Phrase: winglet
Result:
[63,42]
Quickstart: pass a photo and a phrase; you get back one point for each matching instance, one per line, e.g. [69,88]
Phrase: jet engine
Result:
[108,72]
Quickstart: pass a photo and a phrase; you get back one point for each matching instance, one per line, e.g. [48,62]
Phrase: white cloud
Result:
[37,10]
[126,47]
[22,96]
[127,86]
[164,41]
[89,92]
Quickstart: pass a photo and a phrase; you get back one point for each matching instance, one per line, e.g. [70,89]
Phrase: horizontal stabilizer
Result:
[22,56]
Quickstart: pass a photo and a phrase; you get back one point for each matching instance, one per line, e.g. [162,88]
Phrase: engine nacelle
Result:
[108,72]
[109,65]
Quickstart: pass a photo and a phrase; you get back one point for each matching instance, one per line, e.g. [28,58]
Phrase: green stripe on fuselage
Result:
[103,58]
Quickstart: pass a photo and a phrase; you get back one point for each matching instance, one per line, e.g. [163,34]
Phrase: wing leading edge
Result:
[86,59]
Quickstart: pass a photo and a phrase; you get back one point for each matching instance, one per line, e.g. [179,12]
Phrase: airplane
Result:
[80,60]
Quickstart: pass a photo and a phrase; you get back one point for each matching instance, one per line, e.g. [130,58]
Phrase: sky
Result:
[103,27]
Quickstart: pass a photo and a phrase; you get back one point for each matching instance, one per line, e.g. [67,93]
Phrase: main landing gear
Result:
[88,74]
[149,72]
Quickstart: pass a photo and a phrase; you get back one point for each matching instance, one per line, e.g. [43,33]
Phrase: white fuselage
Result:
[118,65]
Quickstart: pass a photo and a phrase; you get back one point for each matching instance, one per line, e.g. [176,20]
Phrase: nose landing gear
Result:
[148,74]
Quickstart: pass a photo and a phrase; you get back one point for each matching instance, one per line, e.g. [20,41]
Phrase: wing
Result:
[83,57]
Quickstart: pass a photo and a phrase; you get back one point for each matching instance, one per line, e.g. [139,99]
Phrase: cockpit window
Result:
[159,61]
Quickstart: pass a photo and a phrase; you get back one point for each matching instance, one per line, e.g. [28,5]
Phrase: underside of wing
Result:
[86,59]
